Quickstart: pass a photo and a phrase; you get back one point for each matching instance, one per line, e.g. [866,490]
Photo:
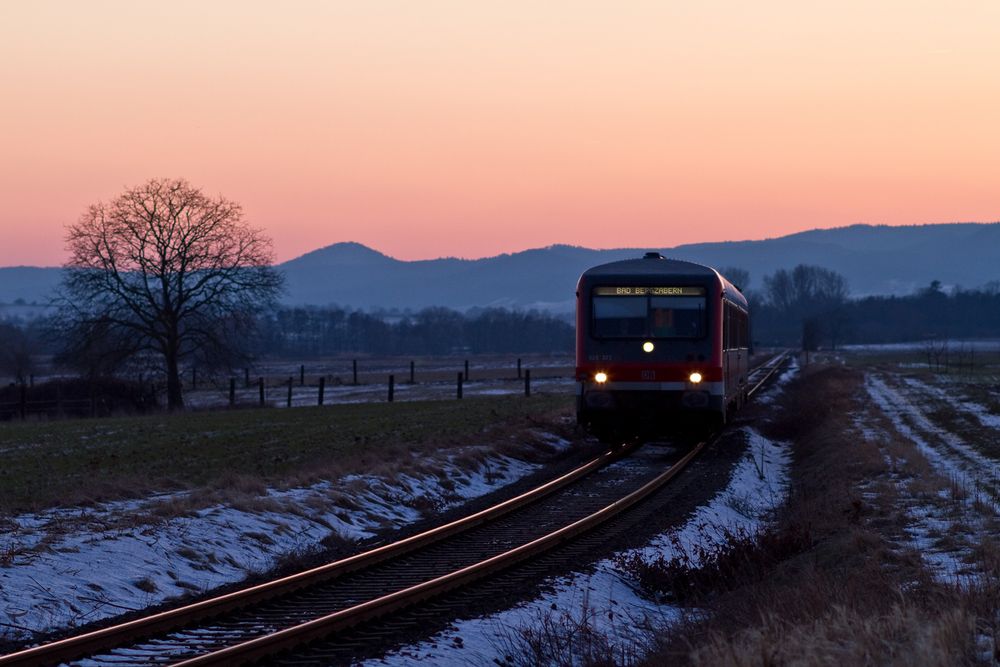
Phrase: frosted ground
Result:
[66,567]
[944,529]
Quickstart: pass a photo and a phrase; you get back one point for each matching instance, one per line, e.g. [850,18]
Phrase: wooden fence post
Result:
[302,375]
[246,377]
[322,388]
[527,382]
[460,385]
[392,387]
[290,381]
[354,366]
[260,387]
[232,392]
[466,370]
[24,401]
[412,376]
[519,369]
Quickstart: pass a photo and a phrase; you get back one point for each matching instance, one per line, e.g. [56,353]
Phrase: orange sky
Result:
[472,128]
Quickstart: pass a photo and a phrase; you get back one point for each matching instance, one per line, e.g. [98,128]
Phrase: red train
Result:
[656,339]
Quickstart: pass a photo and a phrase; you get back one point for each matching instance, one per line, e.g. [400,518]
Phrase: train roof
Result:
[652,263]
[655,264]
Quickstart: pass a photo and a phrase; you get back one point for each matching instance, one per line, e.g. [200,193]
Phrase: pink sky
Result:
[465,128]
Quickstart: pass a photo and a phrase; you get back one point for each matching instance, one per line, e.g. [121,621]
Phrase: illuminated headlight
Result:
[600,377]
[647,346]
[695,377]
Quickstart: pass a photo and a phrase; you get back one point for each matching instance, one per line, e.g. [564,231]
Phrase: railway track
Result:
[259,622]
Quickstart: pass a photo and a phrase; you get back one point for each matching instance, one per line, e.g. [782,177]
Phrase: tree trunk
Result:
[175,400]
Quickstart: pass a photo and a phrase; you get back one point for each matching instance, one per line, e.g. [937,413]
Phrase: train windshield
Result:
[649,316]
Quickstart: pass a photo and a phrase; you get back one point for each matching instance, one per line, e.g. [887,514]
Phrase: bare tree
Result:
[812,295]
[165,269]
[16,353]
[737,276]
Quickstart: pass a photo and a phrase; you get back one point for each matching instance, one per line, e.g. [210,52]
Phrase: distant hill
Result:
[875,260]
[27,284]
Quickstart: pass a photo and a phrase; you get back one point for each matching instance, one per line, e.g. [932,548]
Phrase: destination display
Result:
[646,290]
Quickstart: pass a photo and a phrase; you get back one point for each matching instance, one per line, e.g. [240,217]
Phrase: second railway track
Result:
[264,620]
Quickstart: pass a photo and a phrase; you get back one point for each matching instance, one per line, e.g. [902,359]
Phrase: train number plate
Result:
[648,375]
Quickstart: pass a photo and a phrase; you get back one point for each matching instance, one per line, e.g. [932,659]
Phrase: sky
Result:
[428,129]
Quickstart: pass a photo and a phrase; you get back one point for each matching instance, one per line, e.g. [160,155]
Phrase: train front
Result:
[648,347]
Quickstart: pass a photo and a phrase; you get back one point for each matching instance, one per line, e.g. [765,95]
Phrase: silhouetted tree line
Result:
[78,397]
[803,306]
[930,313]
[310,331]
[808,306]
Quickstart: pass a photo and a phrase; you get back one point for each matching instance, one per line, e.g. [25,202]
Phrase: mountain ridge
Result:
[876,259]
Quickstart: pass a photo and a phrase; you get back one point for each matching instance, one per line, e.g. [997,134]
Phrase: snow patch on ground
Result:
[959,403]
[604,600]
[978,345]
[65,567]
[948,452]
[334,394]
[777,386]
[945,529]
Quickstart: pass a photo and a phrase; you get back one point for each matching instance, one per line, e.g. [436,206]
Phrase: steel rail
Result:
[140,628]
[105,638]
[773,365]
[270,644]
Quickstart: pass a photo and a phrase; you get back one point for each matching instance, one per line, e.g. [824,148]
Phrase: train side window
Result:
[725,325]
[739,328]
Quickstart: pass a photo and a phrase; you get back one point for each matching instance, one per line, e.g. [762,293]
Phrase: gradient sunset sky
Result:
[467,128]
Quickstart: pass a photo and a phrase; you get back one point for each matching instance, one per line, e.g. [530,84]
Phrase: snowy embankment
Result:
[66,567]
[946,528]
[604,603]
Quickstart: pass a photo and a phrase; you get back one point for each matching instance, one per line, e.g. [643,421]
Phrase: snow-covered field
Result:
[65,567]
[368,393]
[945,528]
[986,345]
[603,600]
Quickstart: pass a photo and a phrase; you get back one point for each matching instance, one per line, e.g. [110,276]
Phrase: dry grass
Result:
[724,560]
[855,596]
[903,635]
[570,638]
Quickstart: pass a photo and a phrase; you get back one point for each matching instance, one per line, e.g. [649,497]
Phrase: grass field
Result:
[901,566]
[48,464]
